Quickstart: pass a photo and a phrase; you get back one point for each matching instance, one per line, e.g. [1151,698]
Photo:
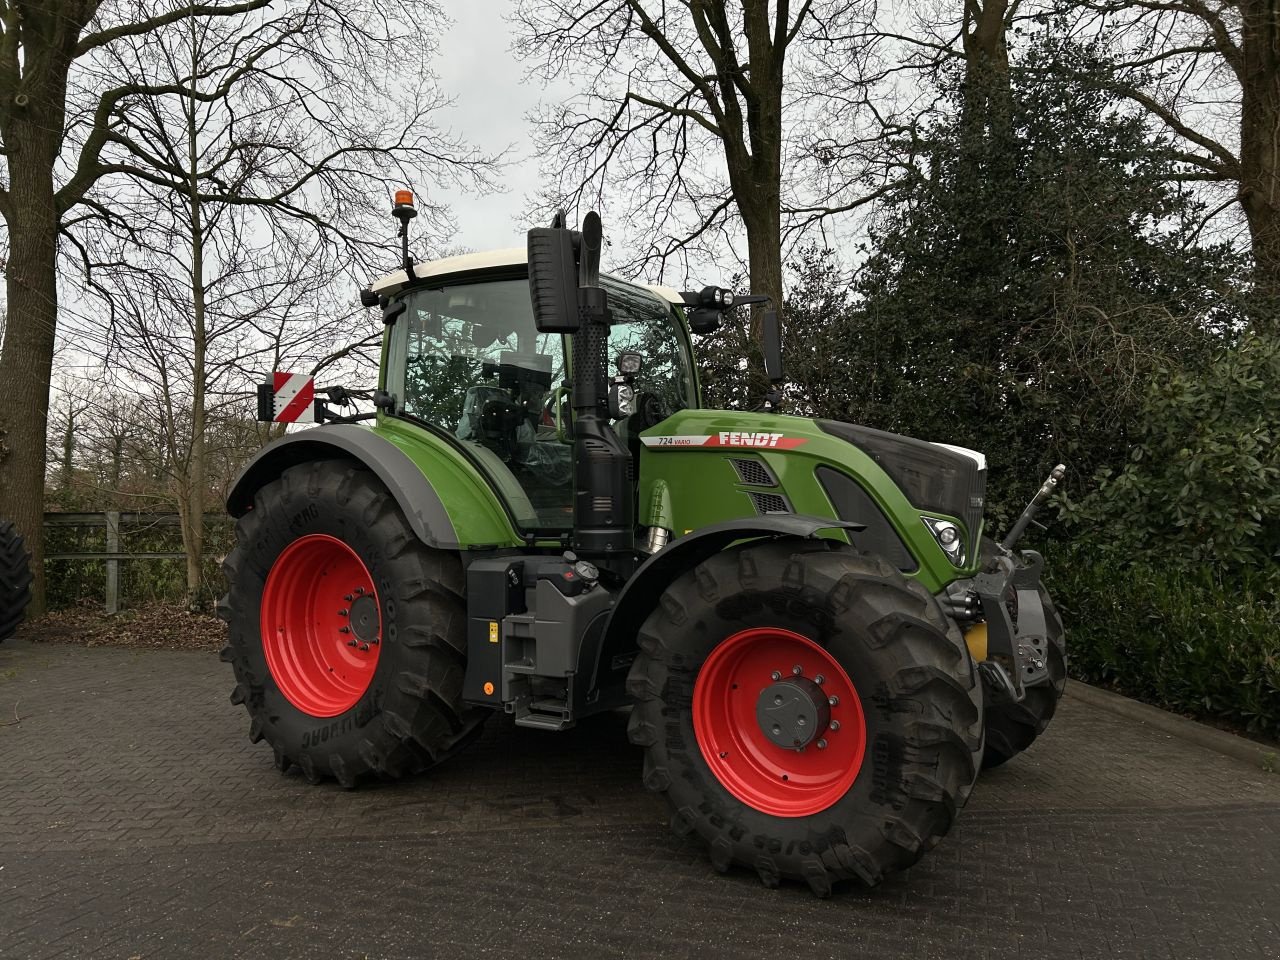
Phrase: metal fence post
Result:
[113,563]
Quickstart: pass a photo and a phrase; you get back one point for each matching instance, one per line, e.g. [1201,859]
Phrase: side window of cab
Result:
[476,367]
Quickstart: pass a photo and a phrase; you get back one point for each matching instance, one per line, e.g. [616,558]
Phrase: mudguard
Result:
[641,593]
[401,476]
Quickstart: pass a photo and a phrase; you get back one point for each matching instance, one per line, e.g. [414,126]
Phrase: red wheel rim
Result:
[783,782]
[321,625]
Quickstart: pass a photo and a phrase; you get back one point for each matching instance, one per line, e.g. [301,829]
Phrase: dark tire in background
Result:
[774,644]
[15,579]
[347,634]
[1013,727]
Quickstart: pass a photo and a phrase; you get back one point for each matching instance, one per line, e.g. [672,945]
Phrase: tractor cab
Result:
[465,358]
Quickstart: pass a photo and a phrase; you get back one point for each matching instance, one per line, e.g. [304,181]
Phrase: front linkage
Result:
[1015,635]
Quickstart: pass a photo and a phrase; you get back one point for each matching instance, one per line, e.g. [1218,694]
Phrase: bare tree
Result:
[1209,73]
[73,138]
[708,114]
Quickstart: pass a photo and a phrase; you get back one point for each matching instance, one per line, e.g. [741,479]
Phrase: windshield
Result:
[468,359]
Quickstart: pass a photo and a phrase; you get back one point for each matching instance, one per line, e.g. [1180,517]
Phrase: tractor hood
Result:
[699,467]
[935,476]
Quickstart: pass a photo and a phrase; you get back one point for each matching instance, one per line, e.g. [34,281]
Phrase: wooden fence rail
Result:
[112,555]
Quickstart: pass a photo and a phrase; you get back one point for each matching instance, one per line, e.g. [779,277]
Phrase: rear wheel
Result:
[347,634]
[809,712]
[15,579]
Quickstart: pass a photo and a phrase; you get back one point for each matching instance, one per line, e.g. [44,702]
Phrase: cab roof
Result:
[392,283]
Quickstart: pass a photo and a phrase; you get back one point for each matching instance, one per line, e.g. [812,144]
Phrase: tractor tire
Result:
[883,676]
[1013,727]
[15,579]
[346,633]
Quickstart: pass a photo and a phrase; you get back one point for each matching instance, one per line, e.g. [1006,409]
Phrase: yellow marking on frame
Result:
[493,631]
[976,639]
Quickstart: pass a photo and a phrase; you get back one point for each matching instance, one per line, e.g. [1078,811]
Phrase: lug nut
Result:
[819,679]
[364,646]
[351,643]
[797,670]
[822,744]
[348,598]
[775,675]
[344,629]
[834,701]
[344,612]
[835,725]
[359,591]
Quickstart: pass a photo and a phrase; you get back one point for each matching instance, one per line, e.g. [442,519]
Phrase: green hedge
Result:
[83,581]
[1192,641]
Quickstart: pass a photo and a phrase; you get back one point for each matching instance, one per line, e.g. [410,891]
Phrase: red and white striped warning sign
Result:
[295,395]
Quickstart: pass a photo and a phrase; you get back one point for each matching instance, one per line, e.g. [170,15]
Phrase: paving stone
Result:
[137,820]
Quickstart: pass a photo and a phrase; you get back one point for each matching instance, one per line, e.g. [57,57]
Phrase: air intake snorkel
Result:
[603,498]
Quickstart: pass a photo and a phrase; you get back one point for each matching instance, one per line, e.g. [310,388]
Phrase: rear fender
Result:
[399,474]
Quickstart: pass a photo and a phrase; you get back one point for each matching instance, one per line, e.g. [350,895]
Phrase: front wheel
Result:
[809,712]
[347,634]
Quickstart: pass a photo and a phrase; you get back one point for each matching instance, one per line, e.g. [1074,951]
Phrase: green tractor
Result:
[814,638]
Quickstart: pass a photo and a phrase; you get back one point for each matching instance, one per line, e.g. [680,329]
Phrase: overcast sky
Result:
[478,69]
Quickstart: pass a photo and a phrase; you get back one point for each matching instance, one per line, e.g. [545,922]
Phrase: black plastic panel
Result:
[852,502]
[754,472]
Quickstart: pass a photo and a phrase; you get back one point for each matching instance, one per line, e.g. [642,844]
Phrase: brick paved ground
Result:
[136,820]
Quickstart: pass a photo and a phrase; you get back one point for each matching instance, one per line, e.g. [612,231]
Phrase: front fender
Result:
[642,592]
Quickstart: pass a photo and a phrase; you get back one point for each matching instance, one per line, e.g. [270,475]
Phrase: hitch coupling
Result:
[1028,515]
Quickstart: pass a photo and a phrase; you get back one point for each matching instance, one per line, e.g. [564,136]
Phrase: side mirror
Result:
[553,279]
[771,345]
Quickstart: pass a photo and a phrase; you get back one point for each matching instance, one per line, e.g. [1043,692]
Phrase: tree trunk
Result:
[1260,146]
[26,359]
[193,522]
[68,449]
[987,107]
[764,252]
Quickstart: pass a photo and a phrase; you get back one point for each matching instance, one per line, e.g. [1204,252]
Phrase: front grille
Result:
[770,503]
[933,477]
[754,472]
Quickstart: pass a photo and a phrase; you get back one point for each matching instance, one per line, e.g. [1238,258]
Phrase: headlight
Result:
[948,536]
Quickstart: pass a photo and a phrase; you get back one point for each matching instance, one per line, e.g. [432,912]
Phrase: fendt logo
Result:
[749,439]
[727,438]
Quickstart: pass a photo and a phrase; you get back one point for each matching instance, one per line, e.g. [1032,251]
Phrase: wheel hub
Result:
[364,619]
[793,712]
